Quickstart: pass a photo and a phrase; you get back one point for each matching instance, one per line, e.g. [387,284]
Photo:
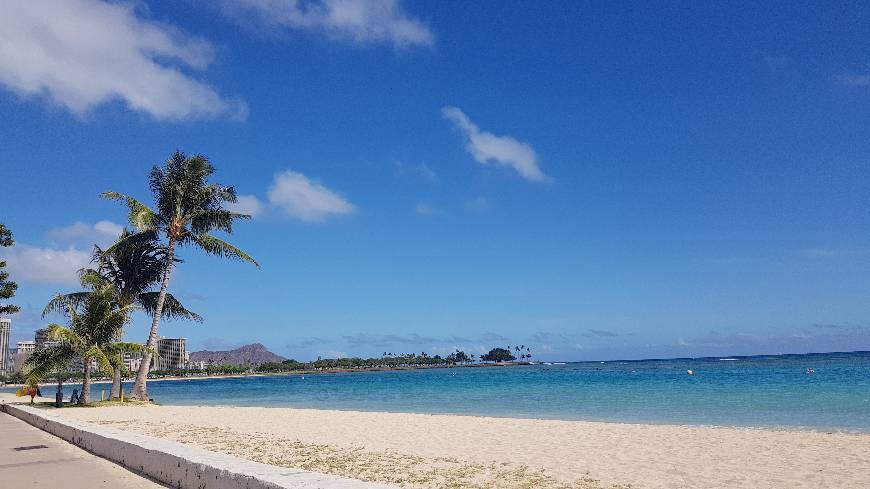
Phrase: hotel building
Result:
[171,354]
[5,358]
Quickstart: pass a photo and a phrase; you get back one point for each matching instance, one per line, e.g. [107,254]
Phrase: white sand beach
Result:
[438,451]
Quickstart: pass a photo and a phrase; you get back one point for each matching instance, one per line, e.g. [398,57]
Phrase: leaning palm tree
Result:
[92,327]
[133,268]
[188,208]
[115,352]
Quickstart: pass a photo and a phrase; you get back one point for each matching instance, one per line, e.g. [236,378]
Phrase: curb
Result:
[176,464]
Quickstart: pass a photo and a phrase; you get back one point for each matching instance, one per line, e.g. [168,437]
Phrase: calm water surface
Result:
[747,391]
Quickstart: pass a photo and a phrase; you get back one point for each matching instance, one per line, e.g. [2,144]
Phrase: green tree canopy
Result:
[7,287]
[498,355]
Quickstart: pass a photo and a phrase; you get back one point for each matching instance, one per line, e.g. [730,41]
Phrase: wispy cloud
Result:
[365,339]
[84,53]
[428,209]
[308,342]
[549,337]
[305,199]
[355,21]
[493,337]
[599,333]
[99,232]
[506,151]
[852,80]
[478,204]
[246,204]
[420,170]
[823,252]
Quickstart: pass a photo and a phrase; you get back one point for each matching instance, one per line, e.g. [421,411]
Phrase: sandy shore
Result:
[436,451]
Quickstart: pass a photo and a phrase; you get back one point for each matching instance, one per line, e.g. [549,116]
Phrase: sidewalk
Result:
[59,464]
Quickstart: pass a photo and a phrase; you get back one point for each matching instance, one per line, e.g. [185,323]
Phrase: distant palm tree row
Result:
[188,208]
[388,360]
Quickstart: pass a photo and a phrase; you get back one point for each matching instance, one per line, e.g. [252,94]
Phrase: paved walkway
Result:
[58,464]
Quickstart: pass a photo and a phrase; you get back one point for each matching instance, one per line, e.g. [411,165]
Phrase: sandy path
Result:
[436,451]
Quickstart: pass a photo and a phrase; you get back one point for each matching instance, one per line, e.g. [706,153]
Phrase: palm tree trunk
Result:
[116,382]
[140,387]
[86,383]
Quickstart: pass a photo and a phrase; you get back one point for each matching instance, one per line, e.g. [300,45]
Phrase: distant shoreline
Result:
[289,373]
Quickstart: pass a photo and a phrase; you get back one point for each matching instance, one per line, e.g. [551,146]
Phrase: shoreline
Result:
[47,402]
[443,450]
[287,373]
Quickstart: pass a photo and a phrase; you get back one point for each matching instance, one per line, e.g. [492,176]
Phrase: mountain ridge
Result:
[253,354]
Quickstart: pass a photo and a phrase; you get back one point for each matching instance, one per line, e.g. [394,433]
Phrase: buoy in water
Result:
[690,372]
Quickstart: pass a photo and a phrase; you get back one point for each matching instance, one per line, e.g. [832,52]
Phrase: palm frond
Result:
[65,336]
[219,247]
[45,362]
[172,308]
[141,216]
[119,347]
[204,220]
[90,278]
[97,353]
[131,239]
[62,303]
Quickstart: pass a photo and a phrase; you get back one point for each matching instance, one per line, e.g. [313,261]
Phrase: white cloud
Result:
[486,147]
[45,265]
[421,170]
[427,209]
[99,232]
[305,199]
[246,204]
[854,80]
[478,204]
[108,228]
[84,53]
[357,21]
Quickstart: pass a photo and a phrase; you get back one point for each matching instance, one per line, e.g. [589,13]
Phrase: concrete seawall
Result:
[176,464]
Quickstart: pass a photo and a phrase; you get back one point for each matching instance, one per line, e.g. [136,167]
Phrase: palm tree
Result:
[51,361]
[133,268]
[93,326]
[188,208]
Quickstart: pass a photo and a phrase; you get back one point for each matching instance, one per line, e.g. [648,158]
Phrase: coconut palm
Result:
[54,361]
[94,324]
[115,352]
[188,208]
[133,268]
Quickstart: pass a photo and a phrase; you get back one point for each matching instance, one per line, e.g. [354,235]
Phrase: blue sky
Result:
[593,180]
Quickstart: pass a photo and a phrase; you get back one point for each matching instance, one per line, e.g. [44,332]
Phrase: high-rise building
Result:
[41,337]
[171,354]
[5,330]
[131,361]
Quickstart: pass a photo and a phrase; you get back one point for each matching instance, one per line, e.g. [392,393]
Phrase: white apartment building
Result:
[5,358]
[25,347]
[171,354]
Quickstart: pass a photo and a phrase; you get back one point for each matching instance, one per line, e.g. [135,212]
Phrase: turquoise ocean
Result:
[762,391]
